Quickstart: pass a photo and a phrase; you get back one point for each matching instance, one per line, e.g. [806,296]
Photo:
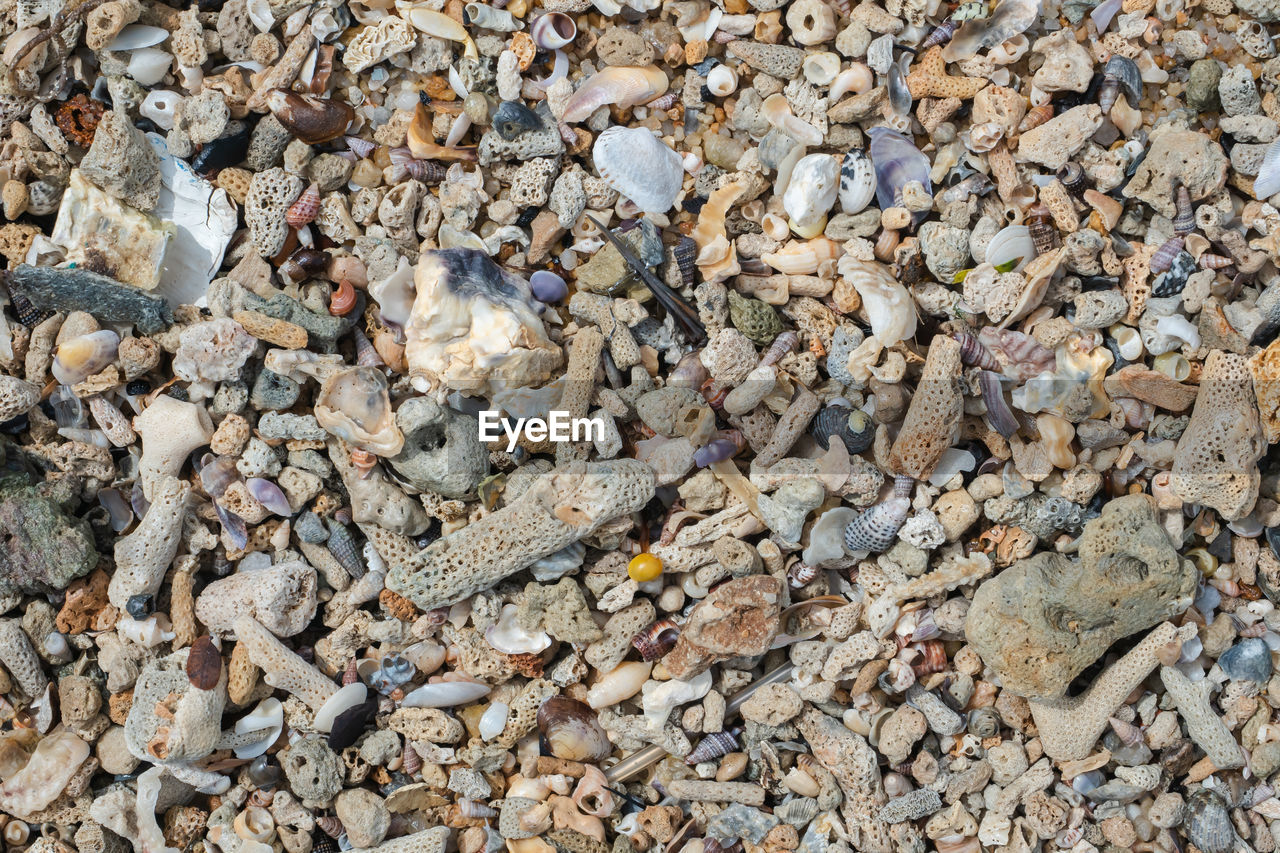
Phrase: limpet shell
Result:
[637,164]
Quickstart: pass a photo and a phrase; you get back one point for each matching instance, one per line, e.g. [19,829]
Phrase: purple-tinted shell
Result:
[113,500]
[217,473]
[716,451]
[138,501]
[547,286]
[233,525]
[269,495]
[898,162]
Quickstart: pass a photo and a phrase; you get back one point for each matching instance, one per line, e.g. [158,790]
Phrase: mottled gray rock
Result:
[1042,621]
[442,451]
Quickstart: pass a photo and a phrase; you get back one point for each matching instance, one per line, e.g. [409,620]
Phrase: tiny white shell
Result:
[135,36]
[346,697]
[857,181]
[148,65]
[1009,243]
[640,166]
[722,81]
[821,68]
[508,637]
[494,720]
[1267,183]
[619,684]
[445,694]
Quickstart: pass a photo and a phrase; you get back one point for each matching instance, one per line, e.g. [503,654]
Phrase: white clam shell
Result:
[857,181]
[1009,243]
[137,36]
[1267,183]
[148,65]
[815,181]
[445,694]
[269,714]
[494,720]
[637,164]
[347,697]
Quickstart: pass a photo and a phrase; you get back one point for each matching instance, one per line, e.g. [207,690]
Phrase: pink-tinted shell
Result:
[304,210]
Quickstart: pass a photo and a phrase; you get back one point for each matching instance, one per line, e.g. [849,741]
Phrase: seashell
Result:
[1035,117]
[571,731]
[640,166]
[853,427]
[619,684]
[1247,660]
[547,287]
[819,68]
[342,545]
[801,574]
[268,718]
[269,495]
[81,357]
[471,809]
[1208,823]
[148,65]
[897,163]
[354,405]
[1008,18]
[656,640]
[513,119]
[1120,75]
[686,255]
[507,636]
[440,25]
[1267,183]
[494,720]
[940,34]
[815,181]
[802,257]
[344,299]
[713,746]
[714,451]
[782,345]
[445,694]
[553,30]
[1040,224]
[889,307]
[427,171]
[1011,243]
[1184,220]
[304,210]
[998,413]
[622,85]
[983,722]
[360,147]
[776,109]
[254,824]
[875,529]
[1215,262]
[857,79]
[311,119]
[136,36]
[304,264]
[974,354]
[1072,178]
[491,18]
[1163,257]
[1171,282]
[331,826]
[857,181]
[722,81]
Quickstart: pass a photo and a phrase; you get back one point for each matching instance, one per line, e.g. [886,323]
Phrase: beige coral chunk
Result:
[1265,368]
[1216,462]
[281,667]
[1204,725]
[282,598]
[170,430]
[929,78]
[143,557]
[855,766]
[934,414]
[20,659]
[560,508]
[172,720]
[1052,143]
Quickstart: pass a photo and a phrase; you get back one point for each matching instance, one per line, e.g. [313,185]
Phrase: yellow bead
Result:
[644,567]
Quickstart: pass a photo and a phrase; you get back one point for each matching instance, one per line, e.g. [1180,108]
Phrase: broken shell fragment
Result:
[311,119]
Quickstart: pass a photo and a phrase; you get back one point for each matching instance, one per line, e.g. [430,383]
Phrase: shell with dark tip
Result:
[1184,222]
[344,549]
[874,530]
[513,118]
[1208,823]
[898,162]
[1072,177]
[656,640]
[852,426]
[1163,258]
[571,731]
[1120,76]
[713,746]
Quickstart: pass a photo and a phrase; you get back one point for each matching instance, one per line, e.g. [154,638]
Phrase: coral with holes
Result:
[1042,621]
[143,557]
[270,194]
[281,667]
[1216,463]
[170,430]
[20,659]
[171,720]
[563,506]
[854,764]
[391,36]
[282,598]
[738,619]
[122,162]
[934,415]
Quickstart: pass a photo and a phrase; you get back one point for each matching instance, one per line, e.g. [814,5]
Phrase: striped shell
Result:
[305,208]
[1072,178]
[656,640]
[342,300]
[686,255]
[640,166]
[973,353]
[1163,258]
[713,746]
[412,762]
[1035,117]
[1214,262]
[782,345]
[1208,823]
[1172,281]
[1185,220]
[800,574]
[1043,235]
[852,426]
[474,808]
[344,549]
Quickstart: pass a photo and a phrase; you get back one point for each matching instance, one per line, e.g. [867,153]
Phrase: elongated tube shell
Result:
[492,19]
[623,85]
